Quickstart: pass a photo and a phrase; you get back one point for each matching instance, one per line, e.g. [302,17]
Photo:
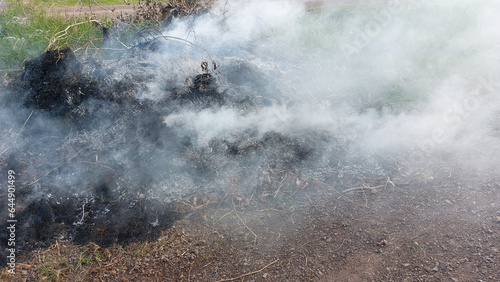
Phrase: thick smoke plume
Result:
[218,102]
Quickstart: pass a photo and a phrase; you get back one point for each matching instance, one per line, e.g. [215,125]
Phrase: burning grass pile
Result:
[98,162]
[109,144]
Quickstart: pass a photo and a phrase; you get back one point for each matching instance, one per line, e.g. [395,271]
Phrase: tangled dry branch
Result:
[64,33]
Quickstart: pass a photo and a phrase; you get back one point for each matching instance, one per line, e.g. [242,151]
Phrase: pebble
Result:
[427,269]
[448,202]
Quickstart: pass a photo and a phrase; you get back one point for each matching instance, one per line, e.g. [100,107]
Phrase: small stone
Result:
[448,202]
[427,269]
[265,275]
[454,279]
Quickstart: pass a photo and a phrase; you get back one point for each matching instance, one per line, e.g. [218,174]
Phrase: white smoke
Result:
[393,76]
[361,86]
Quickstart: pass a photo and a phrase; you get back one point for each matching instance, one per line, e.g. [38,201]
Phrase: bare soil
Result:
[110,11]
[437,228]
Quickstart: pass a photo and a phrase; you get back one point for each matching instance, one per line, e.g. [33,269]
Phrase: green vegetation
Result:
[86,260]
[48,271]
[26,32]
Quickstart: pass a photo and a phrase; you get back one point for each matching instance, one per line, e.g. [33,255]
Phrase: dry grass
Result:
[161,12]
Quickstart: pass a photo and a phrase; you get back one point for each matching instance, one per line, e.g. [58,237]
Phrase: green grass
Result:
[25,33]
[86,260]
[48,272]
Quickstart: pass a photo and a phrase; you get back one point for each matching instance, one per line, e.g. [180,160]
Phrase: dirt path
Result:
[114,11]
[110,11]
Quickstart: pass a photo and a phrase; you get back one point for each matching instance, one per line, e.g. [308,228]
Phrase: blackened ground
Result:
[96,163]
[202,89]
[99,217]
[54,82]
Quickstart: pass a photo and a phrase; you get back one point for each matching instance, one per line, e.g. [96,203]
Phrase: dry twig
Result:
[61,34]
[24,124]
[250,273]
[255,240]
[363,189]
[371,189]
[50,171]
[281,184]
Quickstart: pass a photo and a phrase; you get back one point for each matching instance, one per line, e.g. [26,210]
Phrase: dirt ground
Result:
[111,11]
[432,228]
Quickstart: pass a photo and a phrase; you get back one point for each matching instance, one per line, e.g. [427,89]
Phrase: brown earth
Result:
[110,11]
[432,228]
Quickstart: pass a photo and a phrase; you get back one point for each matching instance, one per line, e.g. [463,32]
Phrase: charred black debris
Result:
[96,162]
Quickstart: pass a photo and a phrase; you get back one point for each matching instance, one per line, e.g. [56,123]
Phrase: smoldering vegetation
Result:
[235,101]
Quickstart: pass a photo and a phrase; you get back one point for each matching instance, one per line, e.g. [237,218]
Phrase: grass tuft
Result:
[26,32]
